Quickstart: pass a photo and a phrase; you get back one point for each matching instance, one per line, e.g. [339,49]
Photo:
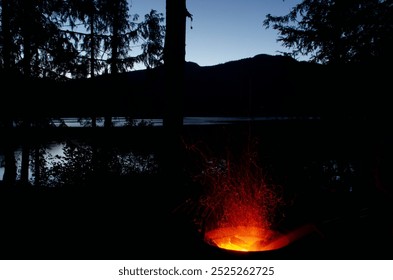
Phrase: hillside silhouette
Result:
[263,85]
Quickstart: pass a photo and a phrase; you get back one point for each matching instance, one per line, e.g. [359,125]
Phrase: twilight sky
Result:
[225,30]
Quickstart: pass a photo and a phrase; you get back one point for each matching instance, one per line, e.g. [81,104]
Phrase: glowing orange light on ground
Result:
[247,239]
[239,205]
[251,239]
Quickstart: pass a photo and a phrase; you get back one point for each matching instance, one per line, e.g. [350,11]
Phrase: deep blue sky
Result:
[225,30]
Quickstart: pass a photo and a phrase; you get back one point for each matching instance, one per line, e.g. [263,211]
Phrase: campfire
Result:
[246,238]
[239,206]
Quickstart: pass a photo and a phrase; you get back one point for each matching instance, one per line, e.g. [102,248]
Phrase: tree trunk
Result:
[37,165]
[27,57]
[174,60]
[5,23]
[27,33]
[9,176]
[115,38]
[115,50]
[92,55]
[25,164]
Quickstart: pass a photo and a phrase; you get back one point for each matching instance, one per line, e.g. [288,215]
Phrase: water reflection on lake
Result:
[63,159]
[121,121]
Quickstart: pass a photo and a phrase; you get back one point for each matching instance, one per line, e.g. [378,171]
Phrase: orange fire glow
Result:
[240,205]
[247,239]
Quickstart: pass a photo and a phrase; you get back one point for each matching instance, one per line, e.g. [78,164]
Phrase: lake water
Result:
[75,122]
[56,149]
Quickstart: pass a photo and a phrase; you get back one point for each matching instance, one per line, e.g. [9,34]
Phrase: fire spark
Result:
[239,206]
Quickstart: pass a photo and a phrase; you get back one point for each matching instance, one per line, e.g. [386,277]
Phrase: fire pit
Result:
[247,239]
[240,205]
[256,239]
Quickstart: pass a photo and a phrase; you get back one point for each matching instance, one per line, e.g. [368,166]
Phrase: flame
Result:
[249,239]
[239,205]
[246,239]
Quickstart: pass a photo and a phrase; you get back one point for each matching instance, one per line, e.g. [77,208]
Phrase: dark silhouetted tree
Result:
[118,34]
[112,32]
[36,44]
[88,43]
[6,45]
[354,38]
[9,176]
[70,39]
[153,33]
[174,64]
[174,60]
[27,33]
[333,31]
[35,47]
[35,34]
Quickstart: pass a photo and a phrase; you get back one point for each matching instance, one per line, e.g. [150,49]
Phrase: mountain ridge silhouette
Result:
[263,85]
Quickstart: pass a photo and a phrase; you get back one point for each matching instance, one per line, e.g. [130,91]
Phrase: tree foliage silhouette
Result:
[333,31]
[35,44]
[153,32]
[62,39]
[59,40]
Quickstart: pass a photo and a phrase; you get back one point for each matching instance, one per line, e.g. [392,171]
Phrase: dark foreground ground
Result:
[126,225]
[144,217]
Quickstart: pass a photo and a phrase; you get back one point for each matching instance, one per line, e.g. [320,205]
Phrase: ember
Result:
[242,238]
[239,206]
